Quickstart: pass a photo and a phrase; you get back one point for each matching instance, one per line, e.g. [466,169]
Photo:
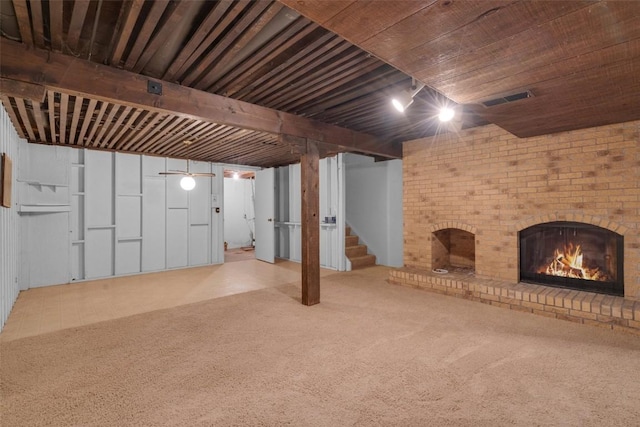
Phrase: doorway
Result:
[239,215]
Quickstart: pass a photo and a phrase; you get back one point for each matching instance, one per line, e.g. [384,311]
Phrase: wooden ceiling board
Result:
[176,15]
[233,35]
[110,140]
[56,20]
[262,18]
[37,23]
[86,121]
[25,118]
[243,73]
[522,59]
[484,85]
[197,38]
[227,17]
[482,42]
[158,8]
[244,89]
[355,97]
[278,83]
[22,14]
[78,16]
[124,27]
[318,11]
[432,23]
[40,119]
[326,83]
[525,118]
[360,21]
[11,111]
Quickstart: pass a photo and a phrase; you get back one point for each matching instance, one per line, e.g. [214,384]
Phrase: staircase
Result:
[357,253]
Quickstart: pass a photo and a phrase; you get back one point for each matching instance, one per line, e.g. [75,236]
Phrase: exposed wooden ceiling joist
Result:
[333,61]
[82,78]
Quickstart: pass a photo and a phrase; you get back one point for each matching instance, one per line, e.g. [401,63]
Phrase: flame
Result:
[568,262]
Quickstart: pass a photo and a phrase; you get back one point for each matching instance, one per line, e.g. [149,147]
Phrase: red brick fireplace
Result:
[469,196]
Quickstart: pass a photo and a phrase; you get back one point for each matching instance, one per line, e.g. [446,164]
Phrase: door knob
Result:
[270,219]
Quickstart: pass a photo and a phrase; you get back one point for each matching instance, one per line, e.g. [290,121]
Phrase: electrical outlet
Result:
[154,87]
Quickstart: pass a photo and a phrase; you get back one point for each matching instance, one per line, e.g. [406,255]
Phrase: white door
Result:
[264,215]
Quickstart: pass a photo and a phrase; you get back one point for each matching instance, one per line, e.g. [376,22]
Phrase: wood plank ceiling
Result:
[579,59]
[259,52]
[334,61]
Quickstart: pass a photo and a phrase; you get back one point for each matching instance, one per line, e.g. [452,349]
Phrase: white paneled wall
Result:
[288,213]
[374,205]
[9,224]
[217,219]
[154,215]
[90,214]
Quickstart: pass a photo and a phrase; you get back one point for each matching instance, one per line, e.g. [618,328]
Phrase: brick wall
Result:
[493,184]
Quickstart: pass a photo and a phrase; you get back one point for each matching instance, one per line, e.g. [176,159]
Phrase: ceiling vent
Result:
[508,98]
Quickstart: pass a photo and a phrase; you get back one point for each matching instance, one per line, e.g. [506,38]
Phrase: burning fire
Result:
[569,262]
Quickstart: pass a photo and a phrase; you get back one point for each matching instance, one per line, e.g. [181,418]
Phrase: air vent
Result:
[508,98]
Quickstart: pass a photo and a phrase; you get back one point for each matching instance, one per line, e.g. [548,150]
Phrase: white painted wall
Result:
[288,213]
[239,212]
[374,205]
[102,214]
[9,224]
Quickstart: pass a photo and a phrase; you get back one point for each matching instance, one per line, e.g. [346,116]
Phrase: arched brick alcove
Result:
[453,248]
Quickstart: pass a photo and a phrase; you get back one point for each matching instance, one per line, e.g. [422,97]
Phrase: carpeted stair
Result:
[357,253]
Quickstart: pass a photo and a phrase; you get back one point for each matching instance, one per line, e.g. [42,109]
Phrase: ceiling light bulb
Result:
[188,183]
[236,176]
[402,101]
[397,105]
[446,114]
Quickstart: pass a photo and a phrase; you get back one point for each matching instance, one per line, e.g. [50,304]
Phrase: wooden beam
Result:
[17,89]
[37,23]
[22,15]
[124,27]
[79,77]
[143,36]
[309,175]
[56,11]
[78,15]
[176,15]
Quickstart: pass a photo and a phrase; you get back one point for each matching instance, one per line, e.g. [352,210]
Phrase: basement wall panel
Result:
[9,224]
[154,224]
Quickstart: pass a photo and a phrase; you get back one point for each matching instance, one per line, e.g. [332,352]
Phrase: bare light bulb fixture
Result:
[236,175]
[446,114]
[404,99]
[188,183]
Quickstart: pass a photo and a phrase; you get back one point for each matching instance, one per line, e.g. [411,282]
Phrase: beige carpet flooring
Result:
[239,254]
[370,354]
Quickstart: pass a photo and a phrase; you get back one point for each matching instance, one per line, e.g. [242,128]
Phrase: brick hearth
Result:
[491,185]
[589,308]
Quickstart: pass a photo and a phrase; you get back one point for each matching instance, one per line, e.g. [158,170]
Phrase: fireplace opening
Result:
[453,249]
[572,255]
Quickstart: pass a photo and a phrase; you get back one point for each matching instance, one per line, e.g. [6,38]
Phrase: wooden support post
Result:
[309,171]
